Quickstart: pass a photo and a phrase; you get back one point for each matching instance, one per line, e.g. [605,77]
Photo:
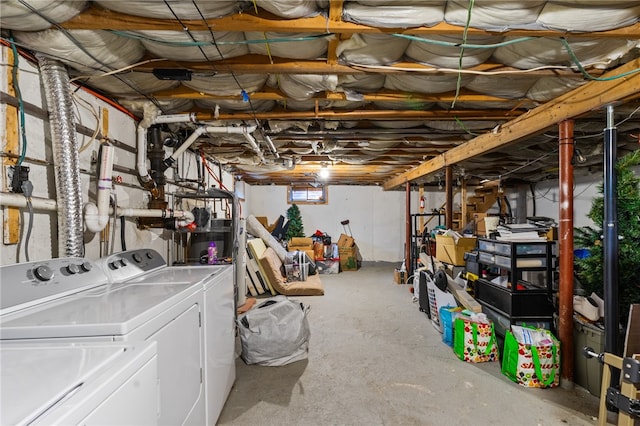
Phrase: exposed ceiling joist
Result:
[98,18]
[364,115]
[579,101]
[183,92]
[257,64]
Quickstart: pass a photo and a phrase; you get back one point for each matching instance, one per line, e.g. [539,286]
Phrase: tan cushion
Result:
[271,264]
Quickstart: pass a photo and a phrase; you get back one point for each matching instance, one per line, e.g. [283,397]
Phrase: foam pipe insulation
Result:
[65,156]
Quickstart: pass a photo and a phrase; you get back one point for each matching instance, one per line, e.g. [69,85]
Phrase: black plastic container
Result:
[221,232]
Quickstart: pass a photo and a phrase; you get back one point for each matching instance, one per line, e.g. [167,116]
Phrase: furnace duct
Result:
[65,156]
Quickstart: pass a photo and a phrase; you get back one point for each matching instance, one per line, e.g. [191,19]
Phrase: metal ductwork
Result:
[55,81]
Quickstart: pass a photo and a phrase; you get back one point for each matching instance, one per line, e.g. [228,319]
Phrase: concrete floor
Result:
[375,359]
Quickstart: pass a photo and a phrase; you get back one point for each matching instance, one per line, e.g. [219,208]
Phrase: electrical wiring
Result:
[77,101]
[463,45]
[16,88]
[461,57]
[196,43]
[27,190]
[455,70]
[85,51]
[584,72]
[118,71]
[206,165]
[24,51]
[243,92]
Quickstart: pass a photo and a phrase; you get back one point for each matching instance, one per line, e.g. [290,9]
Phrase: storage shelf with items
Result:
[419,242]
[516,286]
[215,225]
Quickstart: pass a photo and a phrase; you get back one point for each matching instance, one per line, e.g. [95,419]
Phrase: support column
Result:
[610,243]
[565,240]
[408,237]
[448,181]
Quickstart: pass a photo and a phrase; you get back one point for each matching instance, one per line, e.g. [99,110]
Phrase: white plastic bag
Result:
[275,332]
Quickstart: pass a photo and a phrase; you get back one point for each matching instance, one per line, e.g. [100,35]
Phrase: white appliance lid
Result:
[105,311]
[173,274]
[35,378]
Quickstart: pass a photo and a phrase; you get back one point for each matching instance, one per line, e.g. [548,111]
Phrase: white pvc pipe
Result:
[184,217]
[246,131]
[175,118]
[97,216]
[141,155]
[11,199]
[254,145]
[185,145]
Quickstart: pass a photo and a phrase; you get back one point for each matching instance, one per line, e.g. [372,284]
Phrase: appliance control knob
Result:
[124,262]
[137,258]
[149,255]
[43,273]
[73,268]
[86,266]
[115,264]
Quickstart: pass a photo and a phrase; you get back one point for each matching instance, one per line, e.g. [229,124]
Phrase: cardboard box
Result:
[302,244]
[346,241]
[349,258]
[450,251]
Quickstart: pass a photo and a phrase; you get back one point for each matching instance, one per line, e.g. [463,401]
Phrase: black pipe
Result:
[156,155]
[610,243]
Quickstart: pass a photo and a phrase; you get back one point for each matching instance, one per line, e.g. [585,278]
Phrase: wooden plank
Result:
[11,217]
[589,97]
[96,17]
[363,115]
[260,64]
[183,92]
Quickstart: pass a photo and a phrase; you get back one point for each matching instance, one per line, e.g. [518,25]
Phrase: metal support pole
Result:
[408,237]
[565,311]
[610,243]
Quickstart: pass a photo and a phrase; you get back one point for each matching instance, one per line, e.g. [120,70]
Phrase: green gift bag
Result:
[473,340]
[531,357]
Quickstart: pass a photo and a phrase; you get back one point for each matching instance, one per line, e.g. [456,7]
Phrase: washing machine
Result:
[144,268]
[87,383]
[81,305]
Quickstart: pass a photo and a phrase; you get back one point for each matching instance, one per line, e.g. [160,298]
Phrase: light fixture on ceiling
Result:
[324,171]
[578,157]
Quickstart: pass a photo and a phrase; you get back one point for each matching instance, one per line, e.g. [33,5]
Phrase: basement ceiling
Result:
[381,92]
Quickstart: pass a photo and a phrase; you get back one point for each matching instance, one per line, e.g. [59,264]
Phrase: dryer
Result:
[81,305]
[142,267]
[65,384]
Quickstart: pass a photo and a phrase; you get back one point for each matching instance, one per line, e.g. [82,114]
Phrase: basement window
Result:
[306,194]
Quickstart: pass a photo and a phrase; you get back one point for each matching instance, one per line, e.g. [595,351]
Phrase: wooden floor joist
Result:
[586,98]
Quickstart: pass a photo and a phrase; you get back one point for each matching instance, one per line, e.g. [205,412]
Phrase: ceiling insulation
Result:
[384,91]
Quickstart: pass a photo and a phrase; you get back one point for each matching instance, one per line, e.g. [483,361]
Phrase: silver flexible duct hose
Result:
[55,81]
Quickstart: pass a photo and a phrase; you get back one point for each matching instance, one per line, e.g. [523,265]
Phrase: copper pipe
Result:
[565,311]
